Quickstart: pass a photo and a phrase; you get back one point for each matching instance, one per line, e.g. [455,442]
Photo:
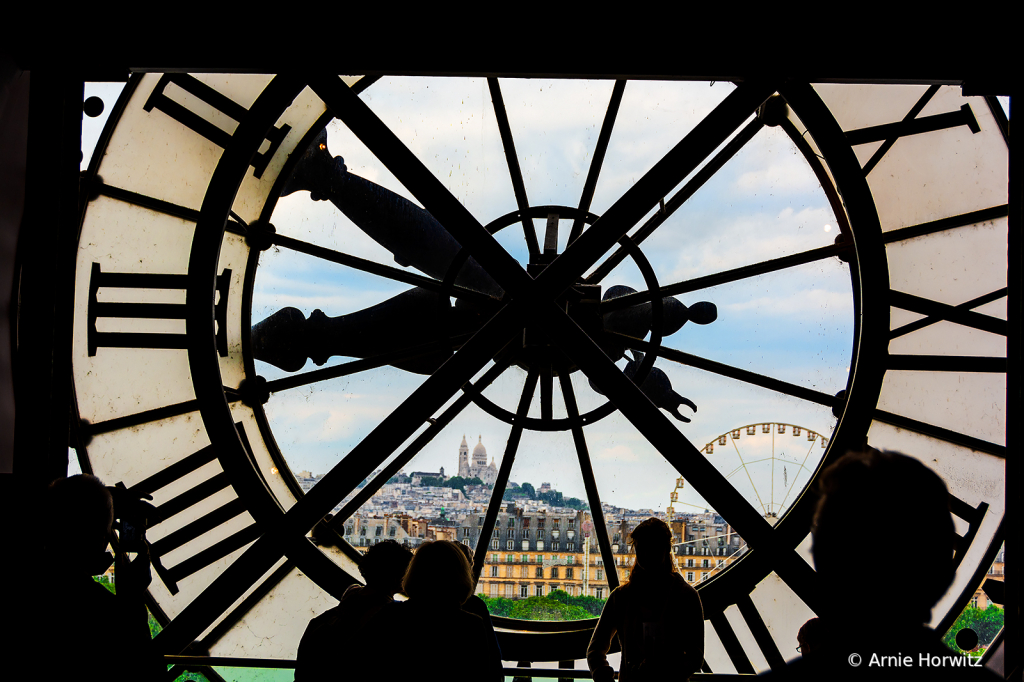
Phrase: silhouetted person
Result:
[475,604]
[66,625]
[331,646]
[657,616]
[455,644]
[811,638]
[857,636]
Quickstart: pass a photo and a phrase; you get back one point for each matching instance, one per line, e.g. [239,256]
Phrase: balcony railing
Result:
[193,662]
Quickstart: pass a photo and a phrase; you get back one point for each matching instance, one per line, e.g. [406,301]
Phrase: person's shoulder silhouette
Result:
[438,583]
[850,640]
[326,647]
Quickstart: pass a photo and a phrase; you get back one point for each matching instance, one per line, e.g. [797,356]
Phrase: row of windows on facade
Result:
[568,571]
[524,534]
[508,590]
[377,531]
[524,522]
[540,546]
[538,572]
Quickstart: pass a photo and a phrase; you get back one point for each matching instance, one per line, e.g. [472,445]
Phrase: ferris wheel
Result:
[770,467]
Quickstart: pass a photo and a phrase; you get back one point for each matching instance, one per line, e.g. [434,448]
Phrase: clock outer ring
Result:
[213,406]
[870,342]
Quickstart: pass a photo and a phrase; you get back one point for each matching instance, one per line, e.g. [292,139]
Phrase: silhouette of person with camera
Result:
[71,626]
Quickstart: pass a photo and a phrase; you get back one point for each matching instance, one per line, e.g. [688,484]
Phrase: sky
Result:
[795,325]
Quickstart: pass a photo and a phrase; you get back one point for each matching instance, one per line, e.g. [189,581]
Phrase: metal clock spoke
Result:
[598,159]
[514,170]
[589,482]
[679,198]
[631,207]
[723,369]
[733,275]
[436,426]
[386,271]
[504,471]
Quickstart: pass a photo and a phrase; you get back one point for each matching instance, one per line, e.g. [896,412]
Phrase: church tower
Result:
[480,455]
[464,458]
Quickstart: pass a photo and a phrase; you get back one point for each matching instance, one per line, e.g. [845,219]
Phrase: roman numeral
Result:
[199,491]
[961,314]
[154,311]
[911,125]
[731,643]
[225,105]
[763,637]
[973,516]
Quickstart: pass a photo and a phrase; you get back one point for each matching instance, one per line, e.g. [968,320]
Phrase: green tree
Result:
[529,490]
[498,606]
[535,608]
[985,622]
[591,605]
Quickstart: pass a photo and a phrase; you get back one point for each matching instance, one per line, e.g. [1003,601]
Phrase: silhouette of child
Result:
[657,616]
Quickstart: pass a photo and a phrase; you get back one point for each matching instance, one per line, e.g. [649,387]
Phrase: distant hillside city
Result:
[542,541]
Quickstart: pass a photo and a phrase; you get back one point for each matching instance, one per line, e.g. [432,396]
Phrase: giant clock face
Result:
[475,289]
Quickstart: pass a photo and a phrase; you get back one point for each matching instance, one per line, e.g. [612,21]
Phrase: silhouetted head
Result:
[77,514]
[439,573]
[384,565]
[870,498]
[811,637]
[652,544]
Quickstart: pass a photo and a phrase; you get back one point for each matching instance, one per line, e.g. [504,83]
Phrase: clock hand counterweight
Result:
[635,322]
[287,338]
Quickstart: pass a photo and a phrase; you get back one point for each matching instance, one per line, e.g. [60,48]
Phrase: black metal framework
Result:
[282,534]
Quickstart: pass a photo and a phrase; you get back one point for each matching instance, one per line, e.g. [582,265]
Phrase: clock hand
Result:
[287,338]
[636,321]
[413,236]
[657,386]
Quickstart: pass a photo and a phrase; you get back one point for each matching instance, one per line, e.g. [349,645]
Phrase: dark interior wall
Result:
[14,94]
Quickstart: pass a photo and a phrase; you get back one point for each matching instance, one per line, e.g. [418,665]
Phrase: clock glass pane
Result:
[763,340]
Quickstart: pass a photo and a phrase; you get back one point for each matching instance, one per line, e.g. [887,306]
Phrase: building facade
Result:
[532,553]
[476,466]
